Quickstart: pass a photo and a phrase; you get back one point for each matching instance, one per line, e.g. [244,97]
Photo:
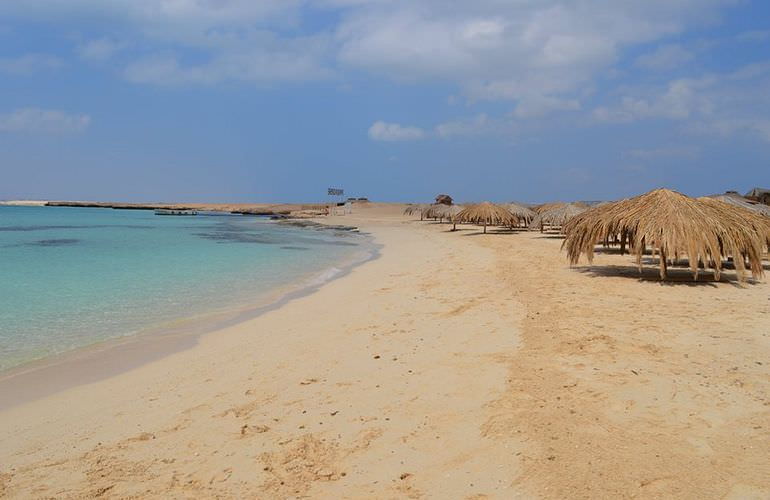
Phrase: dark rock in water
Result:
[237,237]
[316,225]
[288,247]
[54,242]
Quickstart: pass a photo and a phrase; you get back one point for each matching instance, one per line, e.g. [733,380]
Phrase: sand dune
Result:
[457,365]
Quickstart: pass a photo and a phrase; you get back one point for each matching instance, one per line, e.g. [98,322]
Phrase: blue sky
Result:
[276,100]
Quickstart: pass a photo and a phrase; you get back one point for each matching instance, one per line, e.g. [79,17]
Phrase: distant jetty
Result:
[289,210]
[23,203]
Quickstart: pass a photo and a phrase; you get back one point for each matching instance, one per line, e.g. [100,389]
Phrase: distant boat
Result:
[169,211]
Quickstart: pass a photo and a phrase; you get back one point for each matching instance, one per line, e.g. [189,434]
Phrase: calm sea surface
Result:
[70,277]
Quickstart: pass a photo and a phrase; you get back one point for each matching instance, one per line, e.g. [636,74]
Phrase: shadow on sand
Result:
[676,276]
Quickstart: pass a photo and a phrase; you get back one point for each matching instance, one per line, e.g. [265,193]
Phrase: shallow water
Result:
[70,277]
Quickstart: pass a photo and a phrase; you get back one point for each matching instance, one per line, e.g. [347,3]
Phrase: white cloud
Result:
[100,49]
[664,58]
[682,99]
[722,104]
[754,36]
[36,120]
[757,127]
[492,49]
[548,51]
[535,106]
[269,60]
[664,152]
[382,131]
[479,124]
[545,56]
[29,63]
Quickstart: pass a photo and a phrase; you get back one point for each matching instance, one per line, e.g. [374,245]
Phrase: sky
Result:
[397,100]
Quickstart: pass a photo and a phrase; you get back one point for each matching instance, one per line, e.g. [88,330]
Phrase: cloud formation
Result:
[99,49]
[382,131]
[717,103]
[46,121]
[529,52]
[540,60]
[665,57]
[28,64]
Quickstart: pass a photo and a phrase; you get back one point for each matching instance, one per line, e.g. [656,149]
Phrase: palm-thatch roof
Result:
[761,195]
[547,206]
[740,201]
[486,213]
[524,213]
[444,199]
[416,208]
[557,215]
[672,224]
[758,222]
[431,211]
[440,211]
[449,211]
[412,208]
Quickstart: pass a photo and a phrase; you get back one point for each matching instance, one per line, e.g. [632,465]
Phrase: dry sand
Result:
[457,365]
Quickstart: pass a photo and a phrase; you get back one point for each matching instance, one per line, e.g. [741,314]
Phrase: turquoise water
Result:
[70,277]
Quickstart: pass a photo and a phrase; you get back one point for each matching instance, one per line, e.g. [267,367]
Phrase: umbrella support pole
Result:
[663,265]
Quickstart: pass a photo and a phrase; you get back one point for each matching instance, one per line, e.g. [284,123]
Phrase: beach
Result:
[454,365]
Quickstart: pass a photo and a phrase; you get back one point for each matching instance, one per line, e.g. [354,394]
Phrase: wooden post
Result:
[485,226]
[623,236]
[663,265]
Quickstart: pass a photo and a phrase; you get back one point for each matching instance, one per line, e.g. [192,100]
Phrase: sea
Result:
[75,277]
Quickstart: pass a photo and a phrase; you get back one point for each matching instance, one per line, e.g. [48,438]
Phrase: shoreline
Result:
[103,359]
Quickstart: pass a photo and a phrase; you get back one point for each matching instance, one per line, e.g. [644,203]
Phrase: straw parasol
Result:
[441,212]
[430,211]
[755,220]
[486,213]
[522,212]
[672,224]
[448,212]
[417,208]
[740,201]
[557,215]
[547,206]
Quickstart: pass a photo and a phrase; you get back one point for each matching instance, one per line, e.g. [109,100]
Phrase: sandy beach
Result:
[455,365]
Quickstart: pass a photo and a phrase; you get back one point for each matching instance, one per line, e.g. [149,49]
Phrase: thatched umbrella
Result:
[486,213]
[448,212]
[523,213]
[557,215]
[547,206]
[672,224]
[603,209]
[740,201]
[444,199]
[758,222]
[441,212]
[431,211]
[415,208]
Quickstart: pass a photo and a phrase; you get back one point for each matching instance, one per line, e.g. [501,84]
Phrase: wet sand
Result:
[457,365]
